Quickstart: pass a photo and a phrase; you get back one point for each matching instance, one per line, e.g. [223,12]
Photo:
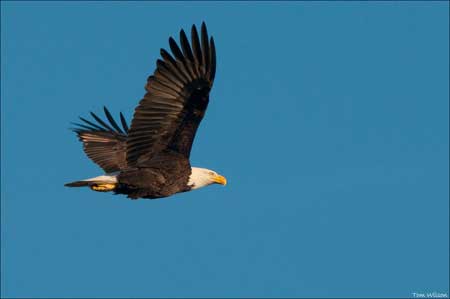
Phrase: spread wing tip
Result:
[101,125]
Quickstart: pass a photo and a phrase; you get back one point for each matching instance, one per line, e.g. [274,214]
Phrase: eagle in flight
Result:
[150,158]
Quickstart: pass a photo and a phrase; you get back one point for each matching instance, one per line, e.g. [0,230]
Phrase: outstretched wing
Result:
[104,143]
[177,96]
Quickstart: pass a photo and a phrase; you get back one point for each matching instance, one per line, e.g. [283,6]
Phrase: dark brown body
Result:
[166,174]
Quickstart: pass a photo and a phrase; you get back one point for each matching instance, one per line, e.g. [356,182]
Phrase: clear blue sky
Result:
[330,121]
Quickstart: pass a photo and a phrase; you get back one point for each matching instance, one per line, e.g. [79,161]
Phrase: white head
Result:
[201,177]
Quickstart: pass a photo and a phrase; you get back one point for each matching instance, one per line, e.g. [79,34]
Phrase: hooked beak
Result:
[220,180]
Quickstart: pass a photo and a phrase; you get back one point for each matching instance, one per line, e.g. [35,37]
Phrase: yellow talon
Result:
[103,187]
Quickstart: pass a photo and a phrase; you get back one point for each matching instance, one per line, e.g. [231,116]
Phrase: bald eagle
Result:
[150,158]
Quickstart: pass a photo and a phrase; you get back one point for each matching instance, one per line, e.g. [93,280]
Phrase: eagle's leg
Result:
[103,187]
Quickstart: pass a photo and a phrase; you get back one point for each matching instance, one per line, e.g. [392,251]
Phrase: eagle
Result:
[150,158]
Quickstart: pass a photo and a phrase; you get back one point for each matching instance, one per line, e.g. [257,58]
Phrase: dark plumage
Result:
[150,158]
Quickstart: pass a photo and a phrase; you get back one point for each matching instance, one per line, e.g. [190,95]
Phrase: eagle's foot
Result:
[103,187]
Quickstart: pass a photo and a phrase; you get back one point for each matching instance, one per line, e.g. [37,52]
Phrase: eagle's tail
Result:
[103,183]
[77,184]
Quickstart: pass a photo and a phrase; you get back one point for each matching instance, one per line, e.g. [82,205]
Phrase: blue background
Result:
[330,121]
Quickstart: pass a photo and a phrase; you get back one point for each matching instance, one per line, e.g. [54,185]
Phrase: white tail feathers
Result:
[100,183]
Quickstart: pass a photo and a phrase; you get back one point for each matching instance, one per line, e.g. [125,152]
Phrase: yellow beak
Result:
[220,180]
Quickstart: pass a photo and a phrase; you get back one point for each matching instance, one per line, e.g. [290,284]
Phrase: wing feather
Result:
[112,121]
[93,126]
[100,121]
[198,57]
[205,47]
[173,67]
[124,122]
[212,69]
